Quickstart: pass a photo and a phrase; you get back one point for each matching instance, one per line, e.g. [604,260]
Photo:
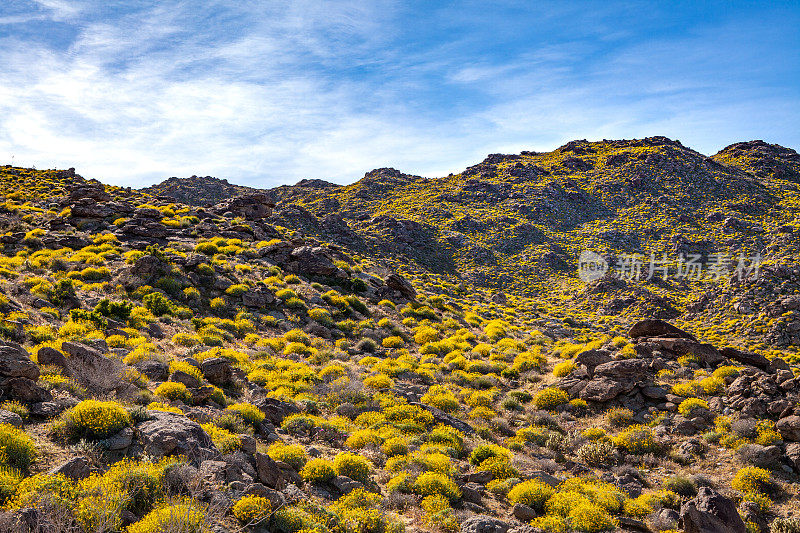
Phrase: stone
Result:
[217,370]
[792,453]
[118,442]
[155,370]
[345,485]
[24,390]
[592,358]
[710,512]
[257,297]
[523,513]
[50,356]
[269,472]
[76,468]
[602,390]
[747,358]
[311,261]
[7,417]
[625,369]
[275,410]
[472,492]
[179,376]
[398,283]
[173,434]
[789,428]
[658,328]
[15,363]
[483,524]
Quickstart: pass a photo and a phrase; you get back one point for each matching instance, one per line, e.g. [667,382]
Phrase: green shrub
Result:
[533,493]
[550,398]
[318,471]
[433,483]
[249,412]
[353,466]
[93,419]
[252,509]
[174,391]
[17,449]
[157,303]
[751,479]
[485,451]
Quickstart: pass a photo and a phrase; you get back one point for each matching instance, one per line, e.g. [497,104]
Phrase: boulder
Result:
[483,524]
[592,358]
[523,513]
[311,261]
[50,356]
[789,428]
[275,410]
[269,472]
[217,370]
[15,362]
[710,512]
[7,417]
[173,434]
[747,358]
[257,297]
[76,468]
[400,284]
[604,389]
[624,369]
[658,328]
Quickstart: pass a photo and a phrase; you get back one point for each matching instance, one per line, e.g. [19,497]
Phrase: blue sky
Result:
[264,93]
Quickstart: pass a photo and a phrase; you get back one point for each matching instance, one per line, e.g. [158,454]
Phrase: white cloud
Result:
[263,100]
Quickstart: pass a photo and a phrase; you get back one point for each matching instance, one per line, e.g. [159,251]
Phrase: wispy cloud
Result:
[266,93]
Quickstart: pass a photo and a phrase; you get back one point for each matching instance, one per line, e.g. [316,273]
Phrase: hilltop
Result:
[404,353]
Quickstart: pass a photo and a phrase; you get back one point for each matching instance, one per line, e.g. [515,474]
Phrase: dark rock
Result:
[7,417]
[120,441]
[658,328]
[523,513]
[155,370]
[76,468]
[269,472]
[345,485]
[50,356]
[592,358]
[625,369]
[747,358]
[276,410]
[789,428]
[15,362]
[257,297]
[179,376]
[217,370]
[483,524]
[25,390]
[173,434]
[311,261]
[604,389]
[710,512]
[400,284]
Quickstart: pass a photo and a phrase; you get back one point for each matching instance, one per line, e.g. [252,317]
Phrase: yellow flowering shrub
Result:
[93,419]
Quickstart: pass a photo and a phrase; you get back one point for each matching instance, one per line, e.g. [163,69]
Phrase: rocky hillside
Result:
[403,354]
[197,191]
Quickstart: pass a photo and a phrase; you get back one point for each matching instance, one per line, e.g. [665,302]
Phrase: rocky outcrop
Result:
[173,434]
[18,375]
[254,206]
[710,512]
